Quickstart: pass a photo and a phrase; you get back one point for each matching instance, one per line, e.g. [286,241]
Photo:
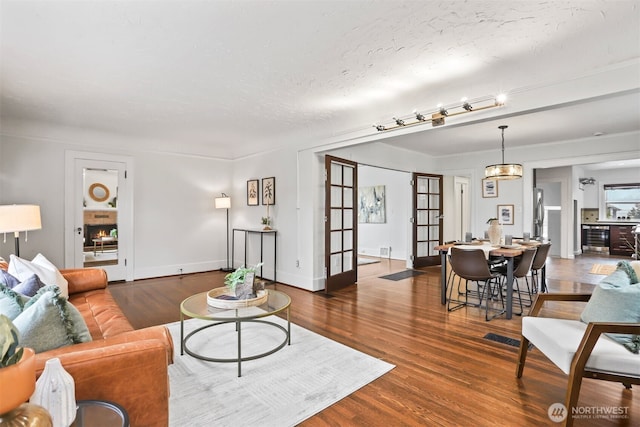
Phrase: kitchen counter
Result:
[614,222]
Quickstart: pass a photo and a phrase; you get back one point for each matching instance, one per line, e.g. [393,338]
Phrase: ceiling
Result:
[234,78]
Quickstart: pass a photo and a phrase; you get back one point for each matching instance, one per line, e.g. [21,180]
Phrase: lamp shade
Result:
[223,202]
[504,171]
[19,218]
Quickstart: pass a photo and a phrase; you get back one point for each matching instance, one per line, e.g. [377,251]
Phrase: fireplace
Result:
[98,231]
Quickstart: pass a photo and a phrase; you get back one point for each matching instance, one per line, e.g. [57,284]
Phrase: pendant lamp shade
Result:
[503,170]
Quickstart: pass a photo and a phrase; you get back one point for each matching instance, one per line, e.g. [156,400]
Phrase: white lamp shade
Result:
[19,218]
[223,202]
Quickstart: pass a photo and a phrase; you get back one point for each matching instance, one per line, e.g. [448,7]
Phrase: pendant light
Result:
[503,170]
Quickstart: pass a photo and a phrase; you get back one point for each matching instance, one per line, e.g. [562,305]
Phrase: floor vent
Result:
[385,252]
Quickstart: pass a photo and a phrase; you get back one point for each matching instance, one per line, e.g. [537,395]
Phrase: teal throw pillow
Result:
[11,302]
[617,279]
[610,303]
[49,321]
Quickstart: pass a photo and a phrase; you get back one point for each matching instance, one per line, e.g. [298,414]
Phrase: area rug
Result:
[604,269]
[402,275]
[282,389]
[365,261]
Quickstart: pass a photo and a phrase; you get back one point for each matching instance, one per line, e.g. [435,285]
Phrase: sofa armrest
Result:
[544,297]
[85,279]
[133,374]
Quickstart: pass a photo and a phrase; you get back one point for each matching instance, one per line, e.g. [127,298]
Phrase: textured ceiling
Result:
[230,79]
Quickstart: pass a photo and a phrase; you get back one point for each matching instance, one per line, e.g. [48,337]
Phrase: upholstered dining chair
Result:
[539,261]
[520,270]
[471,265]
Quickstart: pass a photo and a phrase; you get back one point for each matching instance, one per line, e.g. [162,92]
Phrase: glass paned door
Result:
[427,219]
[340,223]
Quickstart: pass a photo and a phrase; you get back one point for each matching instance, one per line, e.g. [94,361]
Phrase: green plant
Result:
[491,219]
[10,354]
[266,220]
[236,277]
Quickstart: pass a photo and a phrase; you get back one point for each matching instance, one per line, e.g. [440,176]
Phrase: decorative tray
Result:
[213,301]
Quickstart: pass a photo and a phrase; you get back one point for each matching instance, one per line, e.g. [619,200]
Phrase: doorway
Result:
[98,214]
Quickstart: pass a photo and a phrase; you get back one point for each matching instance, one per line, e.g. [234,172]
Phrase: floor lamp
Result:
[17,218]
[224,202]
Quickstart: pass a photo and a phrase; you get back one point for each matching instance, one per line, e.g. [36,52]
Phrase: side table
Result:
[100,413]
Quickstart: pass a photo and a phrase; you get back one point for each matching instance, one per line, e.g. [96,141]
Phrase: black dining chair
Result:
[471,265]
[539,262]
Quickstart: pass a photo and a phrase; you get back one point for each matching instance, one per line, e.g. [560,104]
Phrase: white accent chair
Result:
[579,349]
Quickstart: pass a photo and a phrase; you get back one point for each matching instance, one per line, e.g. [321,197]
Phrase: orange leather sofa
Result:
[121,364]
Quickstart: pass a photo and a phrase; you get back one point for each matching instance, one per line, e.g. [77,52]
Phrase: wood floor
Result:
[446,372]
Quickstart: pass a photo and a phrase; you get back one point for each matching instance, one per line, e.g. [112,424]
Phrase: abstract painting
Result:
[371,205]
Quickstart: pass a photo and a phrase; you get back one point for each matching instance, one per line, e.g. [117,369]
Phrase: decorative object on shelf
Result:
[56,392]
[224,202]
[266,221]
[437,116]
[17,218]
[503,170]
[17,367]
[238,277]
[495,231]
[489,188]
[253,192]
[505,214]
[269,191]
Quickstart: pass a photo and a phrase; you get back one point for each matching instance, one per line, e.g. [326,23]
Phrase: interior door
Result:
[99,217]
[341,239]
[427,219]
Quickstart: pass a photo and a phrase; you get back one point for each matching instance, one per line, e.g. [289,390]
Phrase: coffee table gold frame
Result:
[196,307]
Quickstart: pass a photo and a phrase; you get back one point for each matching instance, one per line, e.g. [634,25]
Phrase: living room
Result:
[196,120]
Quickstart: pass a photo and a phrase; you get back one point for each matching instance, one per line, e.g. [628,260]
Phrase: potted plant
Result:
[17,367]
[232,280]
[266,221]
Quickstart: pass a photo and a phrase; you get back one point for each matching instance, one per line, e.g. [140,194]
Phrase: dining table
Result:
[509,252]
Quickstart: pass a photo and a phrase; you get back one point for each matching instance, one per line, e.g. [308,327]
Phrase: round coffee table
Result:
[196,307]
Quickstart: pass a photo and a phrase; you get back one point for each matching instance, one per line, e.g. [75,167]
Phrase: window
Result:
[622,201]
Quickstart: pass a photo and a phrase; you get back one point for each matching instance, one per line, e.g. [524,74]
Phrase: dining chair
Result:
[471,265]
[539,262]
[520,270]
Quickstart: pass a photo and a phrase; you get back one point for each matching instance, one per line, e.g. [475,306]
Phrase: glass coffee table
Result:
[196,306]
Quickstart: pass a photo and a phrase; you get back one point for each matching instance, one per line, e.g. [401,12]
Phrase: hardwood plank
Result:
[446,372]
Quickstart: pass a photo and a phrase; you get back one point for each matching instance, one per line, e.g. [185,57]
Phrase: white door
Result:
[98,215]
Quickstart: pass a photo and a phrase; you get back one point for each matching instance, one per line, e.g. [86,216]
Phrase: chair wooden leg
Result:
[522,356]
[571,399]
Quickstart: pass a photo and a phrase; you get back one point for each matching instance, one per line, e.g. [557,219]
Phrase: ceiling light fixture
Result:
[437,117]
[503,170]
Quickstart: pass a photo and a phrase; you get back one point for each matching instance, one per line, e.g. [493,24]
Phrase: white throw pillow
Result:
[41,266]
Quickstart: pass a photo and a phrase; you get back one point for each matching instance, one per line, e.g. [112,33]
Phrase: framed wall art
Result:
[371,205]
[253,192]
[505,214]
[489,187]
[269,191]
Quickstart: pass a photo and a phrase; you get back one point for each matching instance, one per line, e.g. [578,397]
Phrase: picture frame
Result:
[489,188]
[269,191]
[253,192]
[505,214]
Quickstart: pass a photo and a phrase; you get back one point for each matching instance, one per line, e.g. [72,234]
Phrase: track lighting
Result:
[437,117]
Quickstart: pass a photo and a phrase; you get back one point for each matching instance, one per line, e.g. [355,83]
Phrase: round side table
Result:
[100,413]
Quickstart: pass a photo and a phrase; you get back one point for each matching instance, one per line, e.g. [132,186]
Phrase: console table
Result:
[247,232]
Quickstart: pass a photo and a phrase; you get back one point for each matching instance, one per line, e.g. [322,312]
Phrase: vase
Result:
[22,377]
[56,392]
[494,232]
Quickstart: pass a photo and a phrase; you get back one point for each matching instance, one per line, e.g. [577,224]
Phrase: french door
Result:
[427,219]
[341,231]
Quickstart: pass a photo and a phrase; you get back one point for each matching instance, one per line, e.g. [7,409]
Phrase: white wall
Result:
[393,233]
[175,223]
